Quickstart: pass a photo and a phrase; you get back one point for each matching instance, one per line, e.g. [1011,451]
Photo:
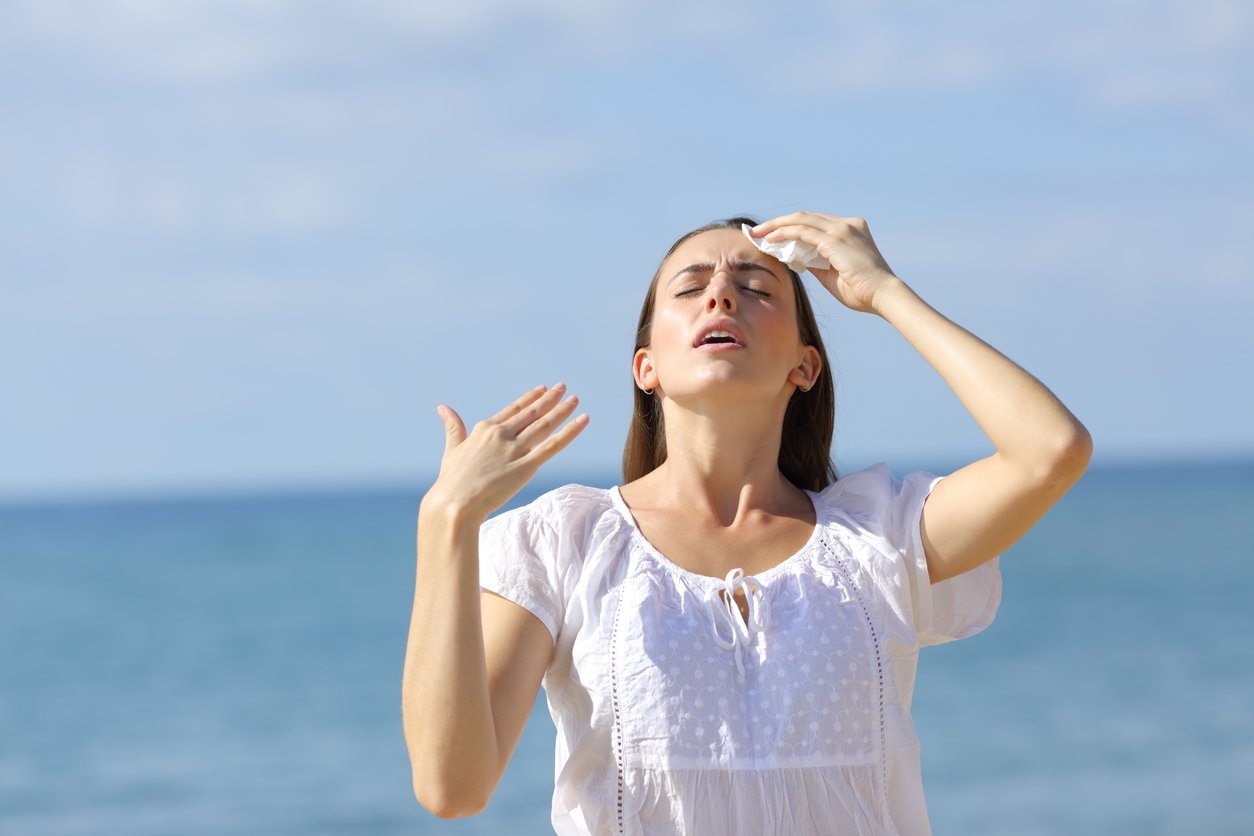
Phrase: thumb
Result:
[454,429]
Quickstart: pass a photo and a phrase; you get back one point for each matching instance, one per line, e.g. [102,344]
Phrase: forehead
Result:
[716,244]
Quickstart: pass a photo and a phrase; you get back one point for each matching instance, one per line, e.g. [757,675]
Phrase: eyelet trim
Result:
[842,563]
[618,723]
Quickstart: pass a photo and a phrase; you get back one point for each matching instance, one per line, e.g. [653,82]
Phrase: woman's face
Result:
[719,275]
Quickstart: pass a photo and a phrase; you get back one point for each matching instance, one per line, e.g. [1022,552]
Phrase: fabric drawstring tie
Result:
[726,610]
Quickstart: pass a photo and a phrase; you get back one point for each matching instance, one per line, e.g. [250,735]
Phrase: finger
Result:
[454,429]
[805,234]
[544,425]
[513,408]
[548,448]
[843,232]
[520,420]
[791,218]
[813,220]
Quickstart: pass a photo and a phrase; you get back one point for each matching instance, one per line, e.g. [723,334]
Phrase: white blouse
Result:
[674,715]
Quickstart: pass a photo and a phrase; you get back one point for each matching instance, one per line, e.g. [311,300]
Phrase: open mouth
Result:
[718,342]
[716,338]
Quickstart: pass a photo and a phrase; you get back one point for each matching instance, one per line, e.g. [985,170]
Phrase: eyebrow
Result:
[737,265]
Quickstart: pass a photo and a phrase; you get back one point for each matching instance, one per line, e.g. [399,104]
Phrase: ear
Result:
[806,373]
[642,370]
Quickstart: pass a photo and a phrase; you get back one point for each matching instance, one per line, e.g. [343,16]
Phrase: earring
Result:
[647,391]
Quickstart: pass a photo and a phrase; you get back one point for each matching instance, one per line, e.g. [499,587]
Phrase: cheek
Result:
[670,331]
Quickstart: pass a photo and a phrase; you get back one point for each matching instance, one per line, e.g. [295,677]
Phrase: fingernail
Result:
[559,385]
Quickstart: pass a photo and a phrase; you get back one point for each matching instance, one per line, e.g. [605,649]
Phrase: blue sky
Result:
[254,245]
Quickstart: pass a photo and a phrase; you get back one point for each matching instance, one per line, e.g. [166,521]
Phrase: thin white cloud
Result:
[1189,50]
[1107,255]
[451,82]
[109,194]
[219,41]
[1112,54]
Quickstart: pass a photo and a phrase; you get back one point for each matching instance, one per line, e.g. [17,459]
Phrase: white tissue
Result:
[798,256]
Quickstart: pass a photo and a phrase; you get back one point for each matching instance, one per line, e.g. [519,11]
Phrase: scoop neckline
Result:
[820,520]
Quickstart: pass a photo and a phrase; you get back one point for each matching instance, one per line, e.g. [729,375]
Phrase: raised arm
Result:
[982,509]
[473,661]
[1041,448]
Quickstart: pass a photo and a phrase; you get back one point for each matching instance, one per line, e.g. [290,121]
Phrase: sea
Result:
[232,664]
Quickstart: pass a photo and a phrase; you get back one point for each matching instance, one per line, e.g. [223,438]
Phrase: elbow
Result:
[1077,452]
[441,789]
[1058,464]
[1070,459]
[449,791]
[449,805]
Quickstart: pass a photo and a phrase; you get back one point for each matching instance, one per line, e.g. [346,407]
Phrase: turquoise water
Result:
[234,666]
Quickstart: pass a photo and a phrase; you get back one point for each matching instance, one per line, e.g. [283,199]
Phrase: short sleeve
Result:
[516,561]
[955,608]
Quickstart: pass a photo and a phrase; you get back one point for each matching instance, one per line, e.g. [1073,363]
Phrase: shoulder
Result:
[561,510]
[873,496]
[567,529]
[570,502]
[860,491]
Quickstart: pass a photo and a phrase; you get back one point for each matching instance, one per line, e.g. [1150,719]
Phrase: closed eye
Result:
[691,290]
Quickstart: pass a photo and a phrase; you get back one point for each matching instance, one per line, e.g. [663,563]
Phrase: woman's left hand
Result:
[858,271]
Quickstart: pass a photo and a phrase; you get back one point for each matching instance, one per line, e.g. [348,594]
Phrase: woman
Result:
[728,640]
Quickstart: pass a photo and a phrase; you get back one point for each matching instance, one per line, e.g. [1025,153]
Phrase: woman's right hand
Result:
[481,471]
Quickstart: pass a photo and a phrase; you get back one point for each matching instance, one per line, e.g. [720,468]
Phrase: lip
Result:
[728,325]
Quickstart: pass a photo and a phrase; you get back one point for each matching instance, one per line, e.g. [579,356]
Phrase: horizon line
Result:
[329,487]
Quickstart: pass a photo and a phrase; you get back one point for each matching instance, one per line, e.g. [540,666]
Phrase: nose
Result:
[719,293]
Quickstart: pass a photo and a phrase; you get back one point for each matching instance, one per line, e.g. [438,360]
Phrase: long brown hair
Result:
[805,444]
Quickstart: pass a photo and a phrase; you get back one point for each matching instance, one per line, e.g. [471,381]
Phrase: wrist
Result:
[889,296]
[448,509]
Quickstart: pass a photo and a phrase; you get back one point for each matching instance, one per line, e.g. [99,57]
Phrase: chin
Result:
[733,386]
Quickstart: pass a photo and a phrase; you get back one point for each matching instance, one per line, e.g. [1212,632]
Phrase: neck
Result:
[723,460]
